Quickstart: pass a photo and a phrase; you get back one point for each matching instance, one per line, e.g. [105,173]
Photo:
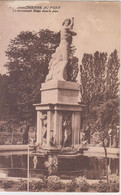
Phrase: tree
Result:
[106,116]
[72,71]
[28,58]
[112,77]
[100,63]
[100,84]
[4,100]
[93,80]
[99,78]
[87,79]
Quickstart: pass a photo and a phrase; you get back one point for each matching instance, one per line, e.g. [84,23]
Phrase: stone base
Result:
[59,92]
[49,150]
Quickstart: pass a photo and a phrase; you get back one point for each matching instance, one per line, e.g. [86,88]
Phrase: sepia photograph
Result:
[59,96]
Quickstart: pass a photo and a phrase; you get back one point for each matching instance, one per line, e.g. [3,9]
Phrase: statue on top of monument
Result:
[59,61]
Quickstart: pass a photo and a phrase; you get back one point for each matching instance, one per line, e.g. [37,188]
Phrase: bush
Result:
[36,186]
[78,184]
[6,184]
[54,183]
[81,184]
[93,187]
[102,187]
[22,185]
[114,183]
[70,187]
[114,187]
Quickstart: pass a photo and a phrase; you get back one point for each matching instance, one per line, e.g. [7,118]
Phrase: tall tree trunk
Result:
[106,162]
[12,136]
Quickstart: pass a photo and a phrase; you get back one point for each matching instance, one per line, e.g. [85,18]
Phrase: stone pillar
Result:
[49,126]
[39,127]
[58,128]
[75,128]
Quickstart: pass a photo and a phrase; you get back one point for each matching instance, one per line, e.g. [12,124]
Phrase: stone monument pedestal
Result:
[58,115]
[59,92]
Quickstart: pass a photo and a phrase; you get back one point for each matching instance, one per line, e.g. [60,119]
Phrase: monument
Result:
[59,113]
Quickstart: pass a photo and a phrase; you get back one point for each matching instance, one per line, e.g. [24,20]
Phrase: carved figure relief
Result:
[44,129]
[67,129]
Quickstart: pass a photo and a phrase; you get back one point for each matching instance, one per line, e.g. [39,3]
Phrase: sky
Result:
[97,24]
